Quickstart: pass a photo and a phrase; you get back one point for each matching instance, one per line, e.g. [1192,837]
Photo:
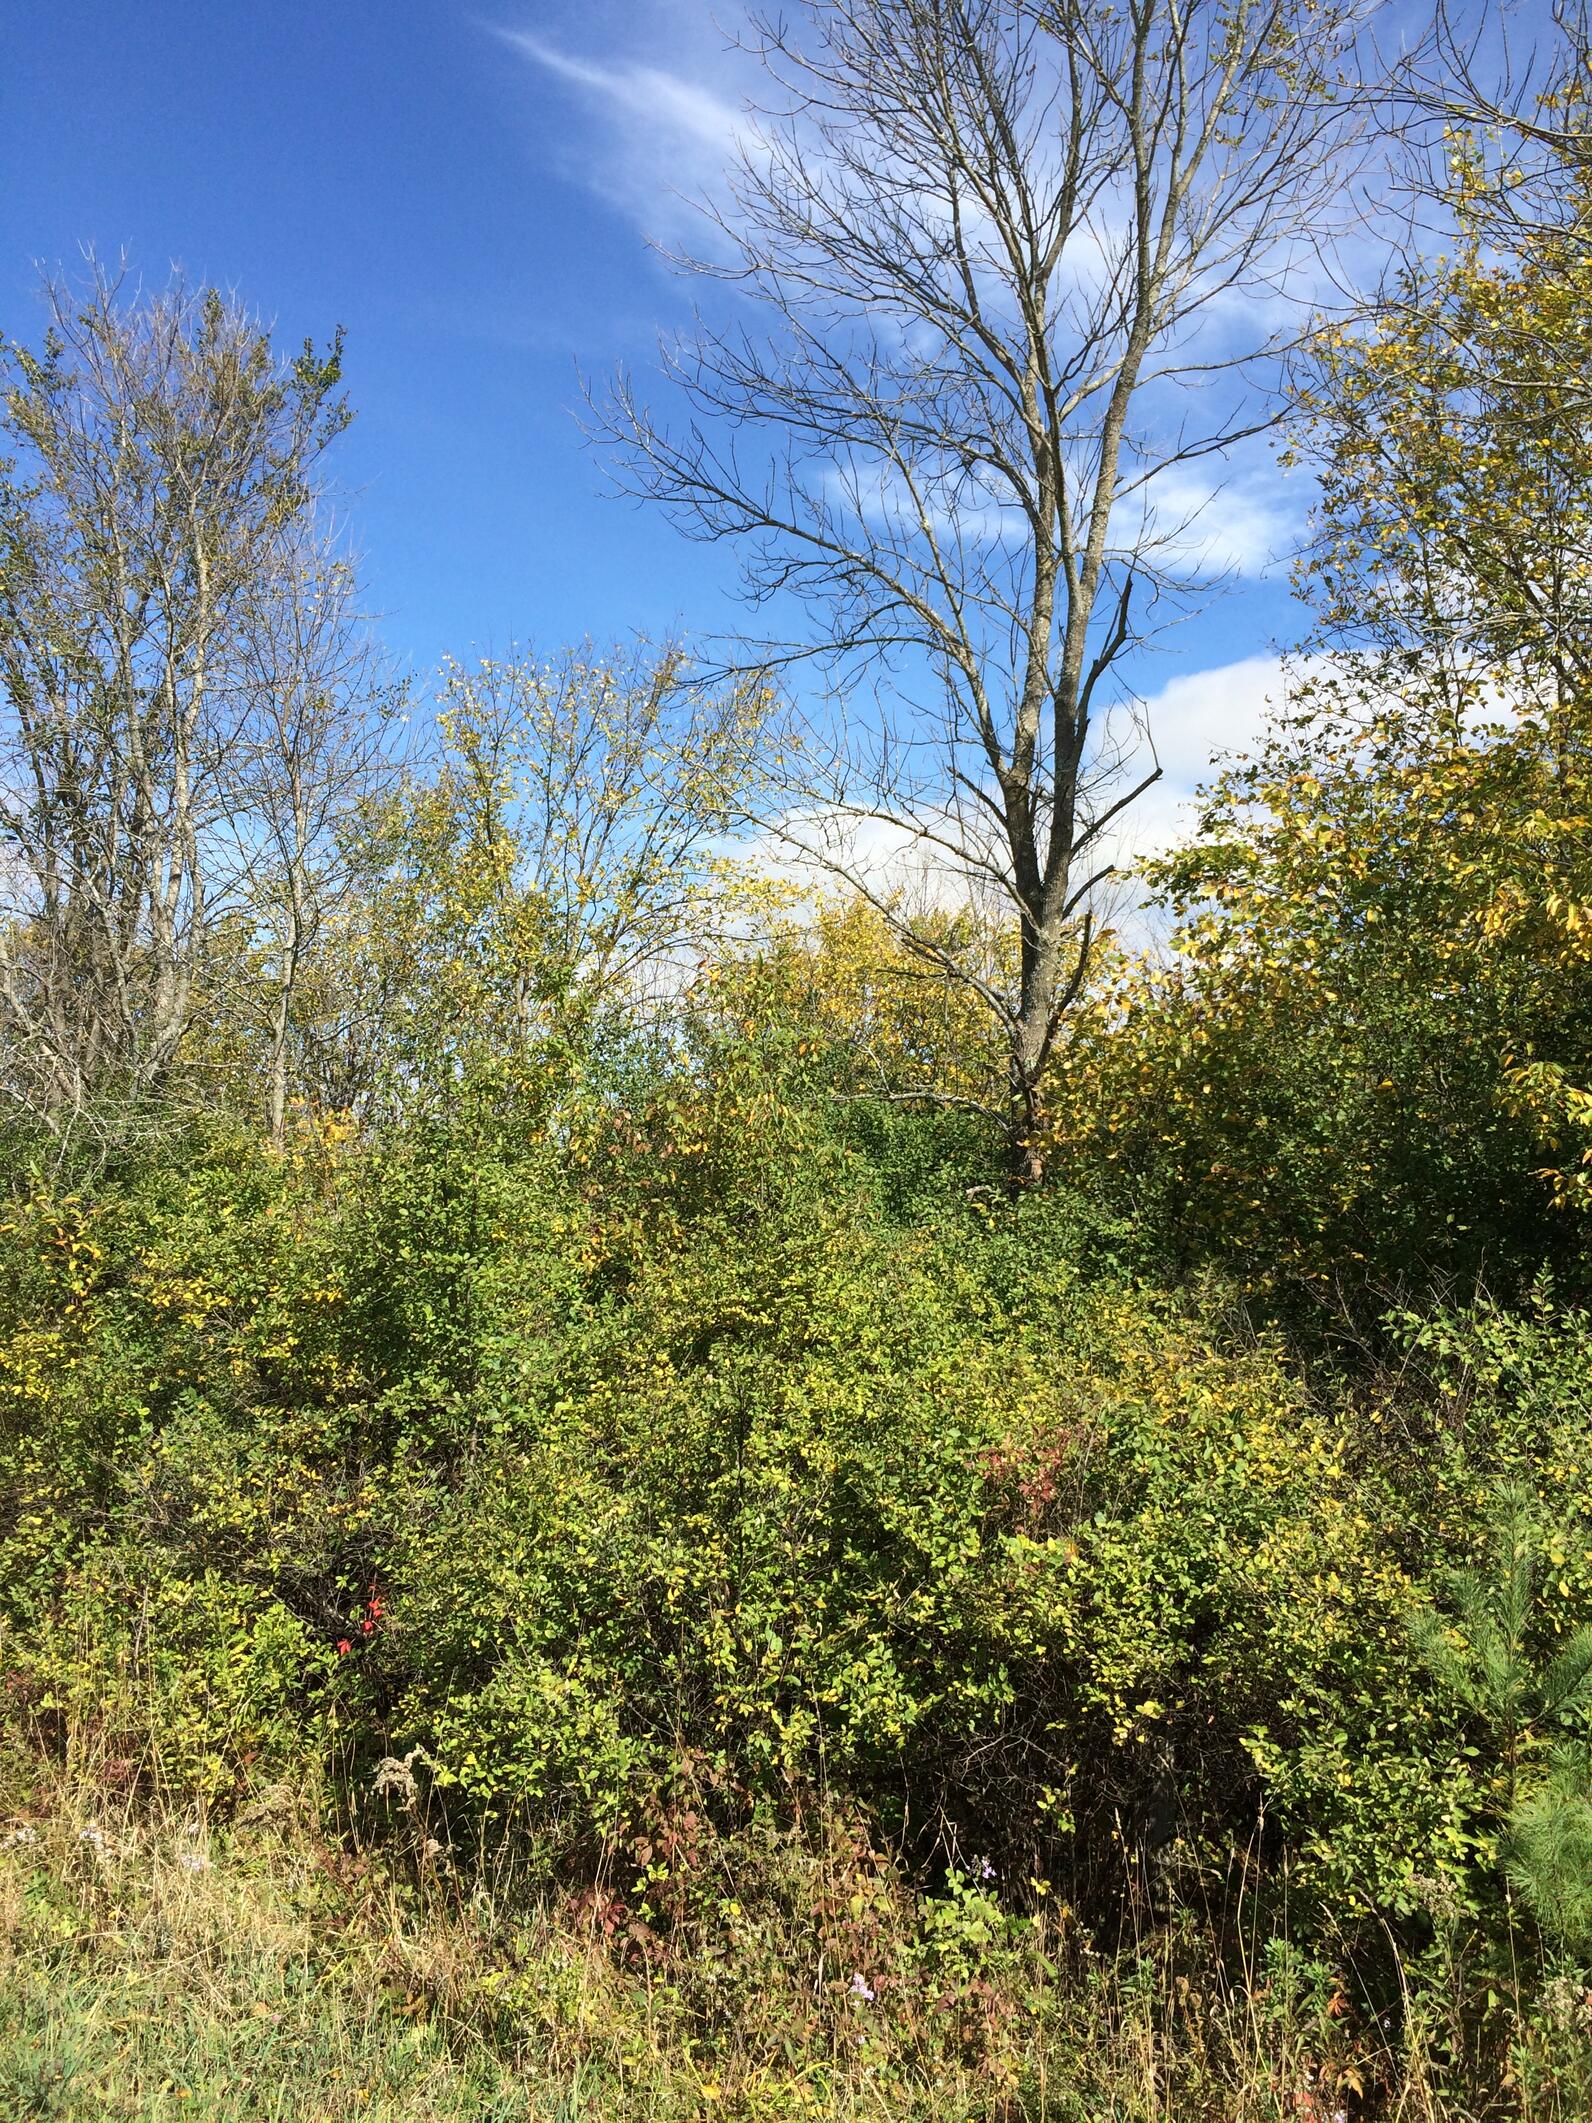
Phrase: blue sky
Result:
[468,190]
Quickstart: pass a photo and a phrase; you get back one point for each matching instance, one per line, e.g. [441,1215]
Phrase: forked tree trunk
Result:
[985,234]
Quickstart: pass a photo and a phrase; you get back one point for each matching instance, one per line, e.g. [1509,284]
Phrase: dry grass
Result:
[155,1966]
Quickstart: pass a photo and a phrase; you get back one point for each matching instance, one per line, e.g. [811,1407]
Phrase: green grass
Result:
[162,1969]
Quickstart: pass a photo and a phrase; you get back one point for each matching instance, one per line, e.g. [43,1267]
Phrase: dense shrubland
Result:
[569,1536]
[648,1511]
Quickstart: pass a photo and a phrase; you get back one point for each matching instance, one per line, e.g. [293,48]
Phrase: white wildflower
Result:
[395,1776]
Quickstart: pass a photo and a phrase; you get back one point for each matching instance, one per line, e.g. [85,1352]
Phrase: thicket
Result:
[574,1533]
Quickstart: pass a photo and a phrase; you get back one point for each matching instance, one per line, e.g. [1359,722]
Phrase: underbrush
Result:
[744,1647]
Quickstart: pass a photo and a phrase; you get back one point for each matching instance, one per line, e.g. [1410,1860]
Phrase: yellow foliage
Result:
[841,984]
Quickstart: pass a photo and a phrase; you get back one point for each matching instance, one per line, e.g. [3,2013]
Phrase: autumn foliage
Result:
[560,1370]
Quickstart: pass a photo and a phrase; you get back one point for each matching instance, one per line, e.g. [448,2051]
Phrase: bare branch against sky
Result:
[1016,277]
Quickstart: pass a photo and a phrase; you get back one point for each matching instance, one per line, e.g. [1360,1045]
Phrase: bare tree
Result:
[1018,260]
[160,455]
[314,755]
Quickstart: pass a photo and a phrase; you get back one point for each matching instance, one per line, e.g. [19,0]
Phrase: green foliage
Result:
[1482,1657]
[1539,1798]
[1362,1067]
[627,1446]
[1342,1079]
[668,1441]
[1550,1849]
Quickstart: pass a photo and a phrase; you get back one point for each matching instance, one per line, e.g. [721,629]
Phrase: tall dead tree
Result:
[157,455]
[1008,273]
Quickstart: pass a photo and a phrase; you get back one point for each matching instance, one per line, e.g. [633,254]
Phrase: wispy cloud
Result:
[653,109]
[672,108]
[656,138]
[1231,512]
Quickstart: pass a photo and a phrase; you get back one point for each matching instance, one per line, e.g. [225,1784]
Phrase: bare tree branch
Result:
[1015,262]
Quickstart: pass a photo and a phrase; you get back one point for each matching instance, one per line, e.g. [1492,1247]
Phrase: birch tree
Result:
[1010,274]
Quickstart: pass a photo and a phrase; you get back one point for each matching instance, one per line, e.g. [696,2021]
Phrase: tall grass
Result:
[156,1964]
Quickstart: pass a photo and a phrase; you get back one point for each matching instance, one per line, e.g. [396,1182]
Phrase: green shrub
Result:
[664,1482]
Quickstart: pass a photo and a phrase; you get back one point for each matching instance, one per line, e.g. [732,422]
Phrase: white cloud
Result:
[818,849]
[1215,517]
[656,108]
[660,139]
[1192,523]
[670,108]
[1196,720]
